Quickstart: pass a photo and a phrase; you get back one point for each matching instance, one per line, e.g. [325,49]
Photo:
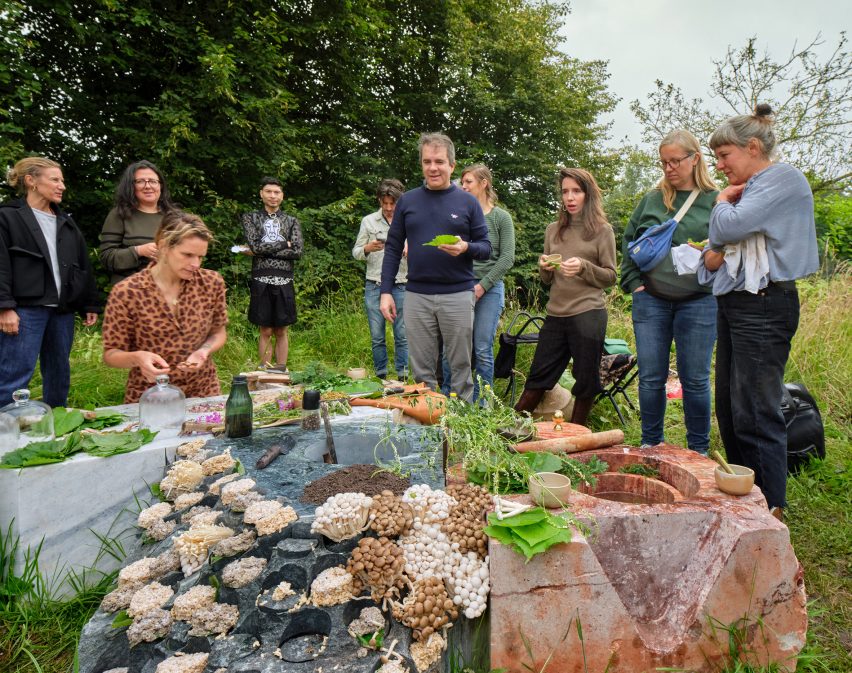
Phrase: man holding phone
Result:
[370,246]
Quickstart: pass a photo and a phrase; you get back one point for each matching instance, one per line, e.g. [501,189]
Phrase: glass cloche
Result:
[10,435]
[34,418]
[162,407]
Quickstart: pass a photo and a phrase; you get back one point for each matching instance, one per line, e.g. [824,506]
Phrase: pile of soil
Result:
[353,479]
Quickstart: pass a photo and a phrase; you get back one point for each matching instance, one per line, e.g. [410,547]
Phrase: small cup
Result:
[550,489]
[553,260]
[356,373]
[740,483]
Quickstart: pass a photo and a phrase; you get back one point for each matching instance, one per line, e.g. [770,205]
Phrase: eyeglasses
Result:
[144,182]
[674,163]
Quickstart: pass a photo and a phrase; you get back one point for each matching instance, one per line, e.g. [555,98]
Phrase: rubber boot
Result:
[582,407]
[529,400]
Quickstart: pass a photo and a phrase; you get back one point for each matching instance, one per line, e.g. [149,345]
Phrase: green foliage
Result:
[641,469]
[529,533]
[59,450]
[834,224]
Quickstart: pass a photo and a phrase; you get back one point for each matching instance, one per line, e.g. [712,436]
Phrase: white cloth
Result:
[47,223]
[750,254]
[686,259]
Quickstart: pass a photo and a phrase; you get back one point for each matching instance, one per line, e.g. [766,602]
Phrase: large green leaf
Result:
[66,420]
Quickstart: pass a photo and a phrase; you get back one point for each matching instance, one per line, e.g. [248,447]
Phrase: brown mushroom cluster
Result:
[427,609]
[389,515]
[377,564]
[465,523]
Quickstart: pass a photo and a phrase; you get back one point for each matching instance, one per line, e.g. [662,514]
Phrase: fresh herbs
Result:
[520,467]
[66,421]
[443,239]
[317,376]
[97,444]
[531,532]
[641,469]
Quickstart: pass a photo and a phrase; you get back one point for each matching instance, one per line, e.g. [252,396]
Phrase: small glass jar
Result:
[239,410]
[311,411]
[34,418]
[162,408]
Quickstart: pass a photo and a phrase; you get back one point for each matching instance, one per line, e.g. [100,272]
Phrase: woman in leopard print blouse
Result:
[169,318]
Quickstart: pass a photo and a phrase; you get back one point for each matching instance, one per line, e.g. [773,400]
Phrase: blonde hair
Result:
[482,172]
[700,174]
[593,213]
[178,225]
[32,166]
[740,129]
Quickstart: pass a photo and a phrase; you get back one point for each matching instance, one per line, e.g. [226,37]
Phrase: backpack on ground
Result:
[805,432]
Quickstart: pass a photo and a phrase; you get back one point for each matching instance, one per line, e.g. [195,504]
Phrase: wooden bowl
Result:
[740,483]
[550,489]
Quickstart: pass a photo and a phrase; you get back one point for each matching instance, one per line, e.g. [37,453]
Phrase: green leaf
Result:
[108,444]
[535,533]
[121,620]
[542,461]
[443,239]
[531,516]
[36,453]
[157,492]
[66,420]
[373,641]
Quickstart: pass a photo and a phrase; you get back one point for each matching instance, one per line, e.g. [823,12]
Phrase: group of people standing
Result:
[444,297]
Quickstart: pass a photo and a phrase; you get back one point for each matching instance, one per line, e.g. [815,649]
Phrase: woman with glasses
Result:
[575,326]
[127,238]
[668,306]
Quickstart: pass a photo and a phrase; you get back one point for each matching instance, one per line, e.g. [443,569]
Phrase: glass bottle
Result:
[239,412]
[34,419]
[162,408]
[310,410]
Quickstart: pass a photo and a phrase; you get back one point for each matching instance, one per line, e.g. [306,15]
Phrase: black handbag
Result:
[805,432]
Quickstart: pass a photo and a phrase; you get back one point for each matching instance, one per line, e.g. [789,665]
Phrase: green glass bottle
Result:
[239,412]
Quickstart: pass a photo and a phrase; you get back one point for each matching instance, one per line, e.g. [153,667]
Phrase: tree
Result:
[811,98]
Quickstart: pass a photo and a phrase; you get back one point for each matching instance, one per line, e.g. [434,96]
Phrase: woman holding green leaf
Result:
[575,325]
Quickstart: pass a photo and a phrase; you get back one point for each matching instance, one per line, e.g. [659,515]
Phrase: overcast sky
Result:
[646,40]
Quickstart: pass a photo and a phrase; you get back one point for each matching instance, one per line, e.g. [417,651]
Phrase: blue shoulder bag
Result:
[651,247]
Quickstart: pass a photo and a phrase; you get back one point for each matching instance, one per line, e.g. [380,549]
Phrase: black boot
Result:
[582,407]
[529,400]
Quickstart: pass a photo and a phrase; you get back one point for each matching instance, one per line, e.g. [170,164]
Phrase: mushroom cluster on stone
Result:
[342,516]
[194,545]
[217,464]
[184,663]
[377,564]
[236,544]
[332,586]
[464,526]
[243,572]
[269,516]
[430,506]
[427,609]
[468,582]
[389,515]
[218,618]
[198,597]
[148,598]
[184,476]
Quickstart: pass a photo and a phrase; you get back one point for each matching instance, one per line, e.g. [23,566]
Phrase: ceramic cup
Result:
[550,489]
[740,483]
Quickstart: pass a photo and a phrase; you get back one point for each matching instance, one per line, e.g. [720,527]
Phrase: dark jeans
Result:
[45,335]
[754,334]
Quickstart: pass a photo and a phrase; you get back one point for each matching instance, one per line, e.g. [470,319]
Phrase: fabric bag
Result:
[656,242]
[805,432]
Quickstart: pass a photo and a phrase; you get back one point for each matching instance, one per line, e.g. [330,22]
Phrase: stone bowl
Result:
[554,260]
[740,483]
[356,373]
[550,489]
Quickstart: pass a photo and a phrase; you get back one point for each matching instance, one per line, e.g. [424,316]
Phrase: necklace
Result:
[165,290]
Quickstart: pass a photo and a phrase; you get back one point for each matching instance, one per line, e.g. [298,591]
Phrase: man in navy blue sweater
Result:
[439,297]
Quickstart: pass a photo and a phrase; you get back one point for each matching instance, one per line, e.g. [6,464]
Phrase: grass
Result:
[39,634]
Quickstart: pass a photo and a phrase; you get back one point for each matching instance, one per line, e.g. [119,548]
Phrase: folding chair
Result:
[523,329]
[618,370]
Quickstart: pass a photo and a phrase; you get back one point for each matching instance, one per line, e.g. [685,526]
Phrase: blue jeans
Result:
[486,317]
[372,297]
[44,335]
[692,326]
[755,332]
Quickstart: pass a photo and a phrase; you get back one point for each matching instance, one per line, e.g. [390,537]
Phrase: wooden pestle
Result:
[594,440]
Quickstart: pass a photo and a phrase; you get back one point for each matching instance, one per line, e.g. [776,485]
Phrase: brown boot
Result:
[529,400]
[582,407]
[778,513]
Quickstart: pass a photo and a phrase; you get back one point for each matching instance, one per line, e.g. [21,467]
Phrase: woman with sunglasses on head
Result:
[762,238]
[575,325]
[45,277]
[670,307]
[127,238]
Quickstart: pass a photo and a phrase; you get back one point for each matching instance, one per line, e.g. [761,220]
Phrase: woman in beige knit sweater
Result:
[575,326]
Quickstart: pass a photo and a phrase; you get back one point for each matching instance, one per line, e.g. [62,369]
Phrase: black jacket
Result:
[26,275]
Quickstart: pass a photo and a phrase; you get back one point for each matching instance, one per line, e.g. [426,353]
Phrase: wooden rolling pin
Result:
[594,440]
